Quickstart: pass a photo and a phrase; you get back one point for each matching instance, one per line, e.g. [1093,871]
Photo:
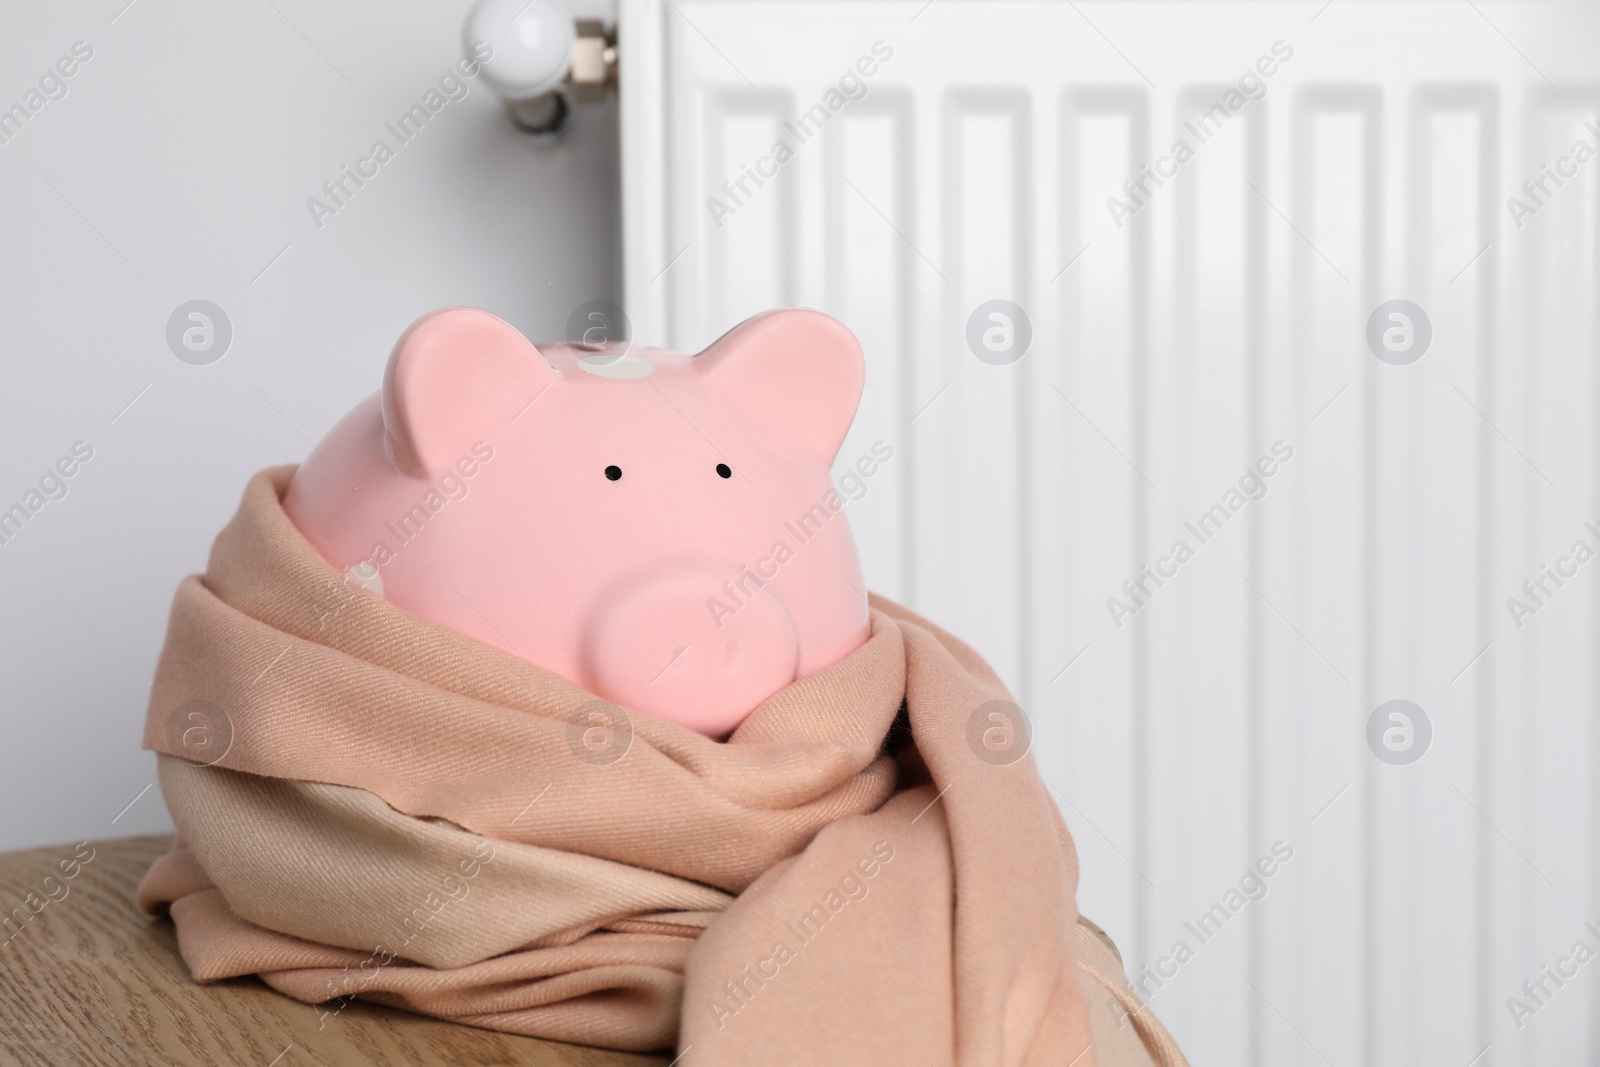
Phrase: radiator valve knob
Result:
[539,60]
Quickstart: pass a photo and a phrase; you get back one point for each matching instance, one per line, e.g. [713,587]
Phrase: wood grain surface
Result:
[90,980]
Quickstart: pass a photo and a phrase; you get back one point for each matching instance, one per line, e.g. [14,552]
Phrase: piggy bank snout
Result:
[681,645]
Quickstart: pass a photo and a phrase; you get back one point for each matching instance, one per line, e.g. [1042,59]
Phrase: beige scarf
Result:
[374,806]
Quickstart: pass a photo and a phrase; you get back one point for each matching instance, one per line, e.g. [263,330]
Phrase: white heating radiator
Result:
[1177,337]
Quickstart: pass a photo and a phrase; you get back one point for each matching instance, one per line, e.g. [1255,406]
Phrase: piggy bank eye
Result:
[724,470]
[613,472]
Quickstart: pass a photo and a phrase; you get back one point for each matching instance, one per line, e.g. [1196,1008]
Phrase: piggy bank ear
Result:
[456,376]
[797,372]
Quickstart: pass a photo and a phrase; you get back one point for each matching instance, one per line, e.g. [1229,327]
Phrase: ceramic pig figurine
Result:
[658,528]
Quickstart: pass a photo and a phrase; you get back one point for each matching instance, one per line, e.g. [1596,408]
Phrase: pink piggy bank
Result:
[658,528]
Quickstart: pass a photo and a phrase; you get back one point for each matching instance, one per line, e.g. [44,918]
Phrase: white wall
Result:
[178,166]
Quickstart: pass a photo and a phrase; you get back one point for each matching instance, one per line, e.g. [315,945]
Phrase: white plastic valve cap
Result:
[532,42]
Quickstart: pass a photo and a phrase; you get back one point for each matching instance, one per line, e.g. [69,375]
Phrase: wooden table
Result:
[91,980]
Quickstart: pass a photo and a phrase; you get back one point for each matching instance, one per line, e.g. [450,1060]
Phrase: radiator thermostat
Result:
[540,59]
